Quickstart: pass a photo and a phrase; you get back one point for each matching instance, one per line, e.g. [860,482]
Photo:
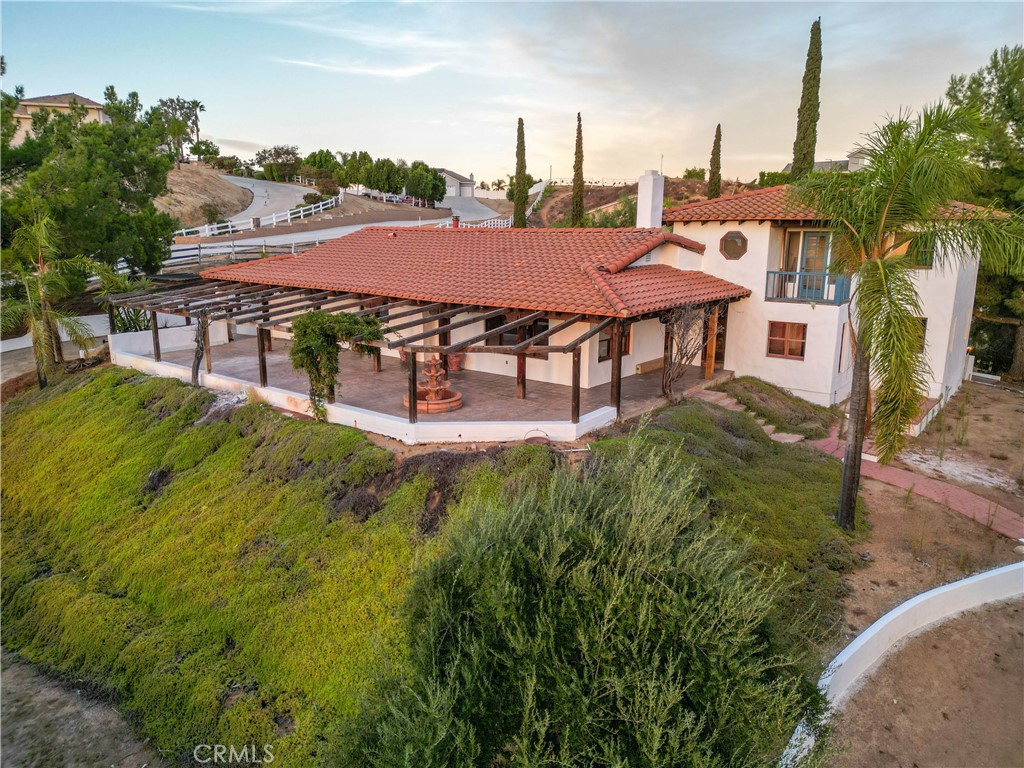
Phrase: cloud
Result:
[394,73]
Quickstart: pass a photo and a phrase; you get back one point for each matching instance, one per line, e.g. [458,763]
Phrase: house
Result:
[793,330]
[853,162]
[540,330]
[457,185]
[60,103]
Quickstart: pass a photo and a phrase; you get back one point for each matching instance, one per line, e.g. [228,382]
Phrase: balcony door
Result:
[807,259]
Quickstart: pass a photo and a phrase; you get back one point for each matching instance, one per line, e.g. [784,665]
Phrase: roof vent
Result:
[392,234]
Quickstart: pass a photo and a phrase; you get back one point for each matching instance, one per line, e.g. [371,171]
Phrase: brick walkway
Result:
[988,513]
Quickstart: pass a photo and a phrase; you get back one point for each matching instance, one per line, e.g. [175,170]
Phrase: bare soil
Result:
[914,545]
[952,696]
[977,443]
[677,191]
[194,185]
[501,207]
[48,723]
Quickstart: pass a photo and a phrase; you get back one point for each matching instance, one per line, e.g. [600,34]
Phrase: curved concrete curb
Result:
[849,669]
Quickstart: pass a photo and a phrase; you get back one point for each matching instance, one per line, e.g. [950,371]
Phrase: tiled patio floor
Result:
[486,396]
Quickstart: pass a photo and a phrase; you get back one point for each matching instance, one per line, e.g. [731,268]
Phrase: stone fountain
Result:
[434,395]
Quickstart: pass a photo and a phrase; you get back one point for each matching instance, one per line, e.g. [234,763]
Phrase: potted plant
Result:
[455,361]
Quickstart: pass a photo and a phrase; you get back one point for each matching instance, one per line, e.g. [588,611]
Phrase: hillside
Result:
[559,202]
[193,186]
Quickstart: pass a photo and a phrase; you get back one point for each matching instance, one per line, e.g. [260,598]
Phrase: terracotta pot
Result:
[403,355]
[455,361]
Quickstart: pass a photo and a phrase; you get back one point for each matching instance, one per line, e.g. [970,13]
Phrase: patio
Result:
[487,397]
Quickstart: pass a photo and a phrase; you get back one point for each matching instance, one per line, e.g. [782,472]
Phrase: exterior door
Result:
[723,314]
[813,265]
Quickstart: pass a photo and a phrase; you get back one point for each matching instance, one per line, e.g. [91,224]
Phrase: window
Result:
[511,338]
[604,344]
[806,251]
[733,245]
[924,330]
[922,252]
[787,340]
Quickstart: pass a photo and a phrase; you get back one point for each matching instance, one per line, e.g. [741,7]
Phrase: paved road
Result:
[268,197]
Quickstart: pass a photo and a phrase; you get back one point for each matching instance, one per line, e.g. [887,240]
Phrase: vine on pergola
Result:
[315,339]
[687,339]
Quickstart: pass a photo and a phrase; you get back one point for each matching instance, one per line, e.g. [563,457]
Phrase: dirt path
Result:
[952,696]
[48,724]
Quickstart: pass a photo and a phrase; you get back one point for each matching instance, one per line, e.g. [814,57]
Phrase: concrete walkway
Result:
[977,508]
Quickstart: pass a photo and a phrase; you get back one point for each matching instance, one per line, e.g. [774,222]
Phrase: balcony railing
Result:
[807,287]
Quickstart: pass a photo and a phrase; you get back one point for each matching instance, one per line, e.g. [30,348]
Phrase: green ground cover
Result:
[242,577]
[783,409]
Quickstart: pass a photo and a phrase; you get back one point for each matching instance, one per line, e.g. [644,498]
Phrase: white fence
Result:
[504,223]
[271,220]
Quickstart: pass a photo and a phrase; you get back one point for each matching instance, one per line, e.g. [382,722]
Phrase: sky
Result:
[446,82]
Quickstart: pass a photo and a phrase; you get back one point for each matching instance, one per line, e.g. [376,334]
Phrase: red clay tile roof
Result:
[555,270]
[768,204]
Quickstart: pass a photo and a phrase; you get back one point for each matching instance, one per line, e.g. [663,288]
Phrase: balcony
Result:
[807,287]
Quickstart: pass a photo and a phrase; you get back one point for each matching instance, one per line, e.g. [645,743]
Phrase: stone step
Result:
[710,396]
[732,406]
[786,437]
[768,428]
[760,422]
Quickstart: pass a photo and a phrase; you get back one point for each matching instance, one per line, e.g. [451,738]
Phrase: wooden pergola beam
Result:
[416,310]
[525,345]
[425,319]
[511,325]
[287,315]
[450,327]
[382,308]
[191,294]
[286,301]
[575,343]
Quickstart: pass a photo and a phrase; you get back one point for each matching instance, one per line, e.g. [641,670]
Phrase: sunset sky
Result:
[445,82]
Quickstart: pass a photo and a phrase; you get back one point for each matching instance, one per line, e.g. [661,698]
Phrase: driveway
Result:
[268,197]
[468,208]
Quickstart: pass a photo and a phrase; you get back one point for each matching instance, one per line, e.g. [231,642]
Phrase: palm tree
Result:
[43,280]
[194,108]
[498,184]
[884,220]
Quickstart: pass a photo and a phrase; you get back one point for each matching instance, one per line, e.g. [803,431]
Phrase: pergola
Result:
[267,307]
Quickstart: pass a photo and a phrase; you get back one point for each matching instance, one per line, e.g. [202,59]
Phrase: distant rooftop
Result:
[61,100]
[457,176]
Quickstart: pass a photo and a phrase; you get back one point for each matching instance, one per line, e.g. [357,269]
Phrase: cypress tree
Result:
[576,217]
[715,177]
[522,193]
[807,116]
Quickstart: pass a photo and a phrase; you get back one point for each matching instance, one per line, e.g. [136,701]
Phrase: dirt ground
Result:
[45,723]
[193,185]
[914,545]
[976,442]
[502,207]
[952,696]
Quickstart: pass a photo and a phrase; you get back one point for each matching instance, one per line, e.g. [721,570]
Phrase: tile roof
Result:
[457,176]
[62,100]
[769,204]
[555,270]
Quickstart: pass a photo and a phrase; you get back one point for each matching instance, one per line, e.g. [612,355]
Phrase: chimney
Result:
[650,198]
[455,222]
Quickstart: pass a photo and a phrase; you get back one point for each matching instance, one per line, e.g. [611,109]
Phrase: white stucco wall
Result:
[947,300]
[814,378]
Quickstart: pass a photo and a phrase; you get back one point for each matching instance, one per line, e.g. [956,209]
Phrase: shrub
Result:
[211,212]
[606,621]
[327,186]
[772,178]
[695,173]
[313,197]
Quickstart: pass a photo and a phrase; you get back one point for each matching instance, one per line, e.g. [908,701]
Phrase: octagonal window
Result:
[733,245]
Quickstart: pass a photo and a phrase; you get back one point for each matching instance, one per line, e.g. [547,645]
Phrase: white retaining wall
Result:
[172,339]
[124,352]
[98,323]
[854,664]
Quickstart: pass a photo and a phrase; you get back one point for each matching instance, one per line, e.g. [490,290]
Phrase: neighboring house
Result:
[457,185]
[60,103]
[793,330]
[853,162]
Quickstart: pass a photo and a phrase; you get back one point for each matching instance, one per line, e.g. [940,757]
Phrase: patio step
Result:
[786,437]
[769,429]
[711,396]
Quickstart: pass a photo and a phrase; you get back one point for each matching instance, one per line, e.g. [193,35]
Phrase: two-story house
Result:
[793,330]
[60,103]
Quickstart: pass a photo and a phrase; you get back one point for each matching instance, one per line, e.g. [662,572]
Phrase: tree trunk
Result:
[40,373]
[850,484]
[1016,371]
[197,358]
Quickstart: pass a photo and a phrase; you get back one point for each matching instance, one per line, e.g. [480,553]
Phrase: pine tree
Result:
[715,178]
[807,116]
[576,217]
[522,191]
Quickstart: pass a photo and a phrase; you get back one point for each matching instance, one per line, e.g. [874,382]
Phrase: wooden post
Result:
[156,336]
[412,386]
[188,318]
[711,348]
[270,339]
[444,338]
[376,356]
[261,346]
[231,330]
[521,365]
[576,386]
[667,358]
[206,347]
[616,341]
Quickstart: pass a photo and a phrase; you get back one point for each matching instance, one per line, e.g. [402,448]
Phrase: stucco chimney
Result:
[650,198]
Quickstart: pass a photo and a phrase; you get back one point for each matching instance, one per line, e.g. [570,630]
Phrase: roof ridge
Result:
[618,304]
[715,200]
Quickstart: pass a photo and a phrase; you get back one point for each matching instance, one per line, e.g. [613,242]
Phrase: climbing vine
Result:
[315,338]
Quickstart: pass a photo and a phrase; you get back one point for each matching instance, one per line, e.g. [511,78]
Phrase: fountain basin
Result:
[435,401]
